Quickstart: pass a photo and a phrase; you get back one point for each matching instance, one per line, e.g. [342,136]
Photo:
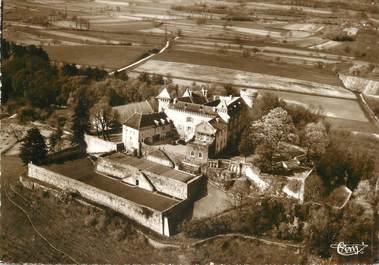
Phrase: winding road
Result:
[130,66]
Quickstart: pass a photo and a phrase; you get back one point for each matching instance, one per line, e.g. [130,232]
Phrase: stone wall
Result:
[237,167]
[126,172]
[197,153]
[143,215]
[176,215]
[98,145]
[165,160]
[68,153]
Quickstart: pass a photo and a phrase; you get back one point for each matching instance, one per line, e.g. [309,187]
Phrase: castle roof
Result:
[139,120]
[164,94]
[192,107]
[205,128]
[126,111]
[234,104]
[196,97]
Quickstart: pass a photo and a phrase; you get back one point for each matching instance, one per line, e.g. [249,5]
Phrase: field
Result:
[111,57]
[241,78]
[237,62]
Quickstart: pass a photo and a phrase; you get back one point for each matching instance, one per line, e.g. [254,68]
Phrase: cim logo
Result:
[349,249]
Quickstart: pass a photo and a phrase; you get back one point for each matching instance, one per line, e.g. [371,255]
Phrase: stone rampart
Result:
[162,184]
[143,215]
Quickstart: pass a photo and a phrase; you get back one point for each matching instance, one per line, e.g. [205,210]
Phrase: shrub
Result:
[201,21]
[27,114]
[246,53]
[342,37]
[102,222]
[45,193]
[207,227]
[119,234]
[90,220]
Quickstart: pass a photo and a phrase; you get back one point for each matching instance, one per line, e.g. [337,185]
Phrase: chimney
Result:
[190,93]
[204,91]
[175,100]
[185,106]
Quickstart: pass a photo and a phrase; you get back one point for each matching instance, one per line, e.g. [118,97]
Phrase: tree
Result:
[70,69]
[358,223]
[55,140]
[301,116]
[26,114]
[264,156]
[272,128]
[33,147]
[115,99]
[245,147]
[103,117]
[123,75]
[341,165]
[144,77]
[157,79]
[323,231]
[264,105]
[315,139]
[81,120]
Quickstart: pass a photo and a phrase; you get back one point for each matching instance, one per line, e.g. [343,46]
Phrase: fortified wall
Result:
[179,189]
[162,222]
[98,145]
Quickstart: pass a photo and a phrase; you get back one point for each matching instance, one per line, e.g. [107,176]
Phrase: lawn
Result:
[105,56]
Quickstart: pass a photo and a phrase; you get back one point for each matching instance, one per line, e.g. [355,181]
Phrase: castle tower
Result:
[164,100]
[248,95]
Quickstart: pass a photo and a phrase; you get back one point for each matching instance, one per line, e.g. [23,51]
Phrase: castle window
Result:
[189,119]
[192,153]
[200,155]
[137,182]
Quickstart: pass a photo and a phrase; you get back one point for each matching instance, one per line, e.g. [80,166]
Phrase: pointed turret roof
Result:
[164,94]
[186,93]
